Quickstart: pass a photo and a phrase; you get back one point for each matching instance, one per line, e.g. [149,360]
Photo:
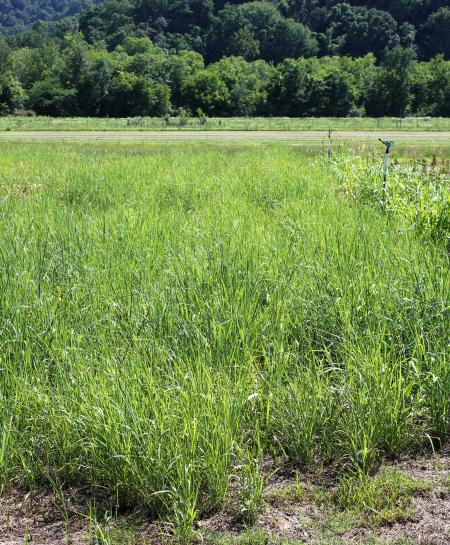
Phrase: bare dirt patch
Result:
[303,511]
[298,509]
[71,518]
[35,518]
[431,524]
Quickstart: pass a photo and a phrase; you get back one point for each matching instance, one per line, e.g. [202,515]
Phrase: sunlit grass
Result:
[171,315]
[417,192]
[382,499]
[15,123]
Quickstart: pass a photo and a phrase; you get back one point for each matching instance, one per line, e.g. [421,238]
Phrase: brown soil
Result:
[42,519]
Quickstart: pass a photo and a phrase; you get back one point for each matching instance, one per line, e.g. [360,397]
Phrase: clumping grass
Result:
[171,315]
[382,499]
[251,486]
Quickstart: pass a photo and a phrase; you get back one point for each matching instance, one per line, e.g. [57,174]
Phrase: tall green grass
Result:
[416,192]
[171,315]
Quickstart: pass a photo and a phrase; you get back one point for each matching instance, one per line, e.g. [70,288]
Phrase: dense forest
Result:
[271,30]
[17,15]
[211,57]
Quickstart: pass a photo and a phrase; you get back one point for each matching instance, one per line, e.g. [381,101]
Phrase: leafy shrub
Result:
[415,192]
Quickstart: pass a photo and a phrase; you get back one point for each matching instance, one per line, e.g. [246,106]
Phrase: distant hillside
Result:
[17,15]
[298,58]
[270,30]
[276,29]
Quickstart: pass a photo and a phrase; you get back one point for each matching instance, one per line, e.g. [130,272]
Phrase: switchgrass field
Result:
[42,123]
[173,316]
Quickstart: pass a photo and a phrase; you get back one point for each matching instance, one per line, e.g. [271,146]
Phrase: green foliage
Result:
[437,39]
[12,94]
[358,30]
[49,97]
[251,485]
[257,29]
[430,84]
[417,193]
[391,90]
[130,95]
[315,87]
[171,315]
[139,58]
[382,499]
[206,90]
[275,31]
[15,15]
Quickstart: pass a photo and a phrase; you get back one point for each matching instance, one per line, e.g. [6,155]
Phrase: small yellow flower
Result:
[59,292]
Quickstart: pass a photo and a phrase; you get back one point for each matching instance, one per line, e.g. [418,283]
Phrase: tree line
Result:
[71,77]
[204,57]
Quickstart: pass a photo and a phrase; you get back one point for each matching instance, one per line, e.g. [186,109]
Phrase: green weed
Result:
[383,499]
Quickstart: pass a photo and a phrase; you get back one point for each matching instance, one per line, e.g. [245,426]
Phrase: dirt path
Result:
[297,137]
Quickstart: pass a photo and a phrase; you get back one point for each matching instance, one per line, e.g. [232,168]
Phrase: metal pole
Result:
[385,168]
[389,144]
[329,145]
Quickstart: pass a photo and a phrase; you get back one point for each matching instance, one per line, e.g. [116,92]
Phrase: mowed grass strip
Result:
[419,142]
[169,315]
[42,123]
